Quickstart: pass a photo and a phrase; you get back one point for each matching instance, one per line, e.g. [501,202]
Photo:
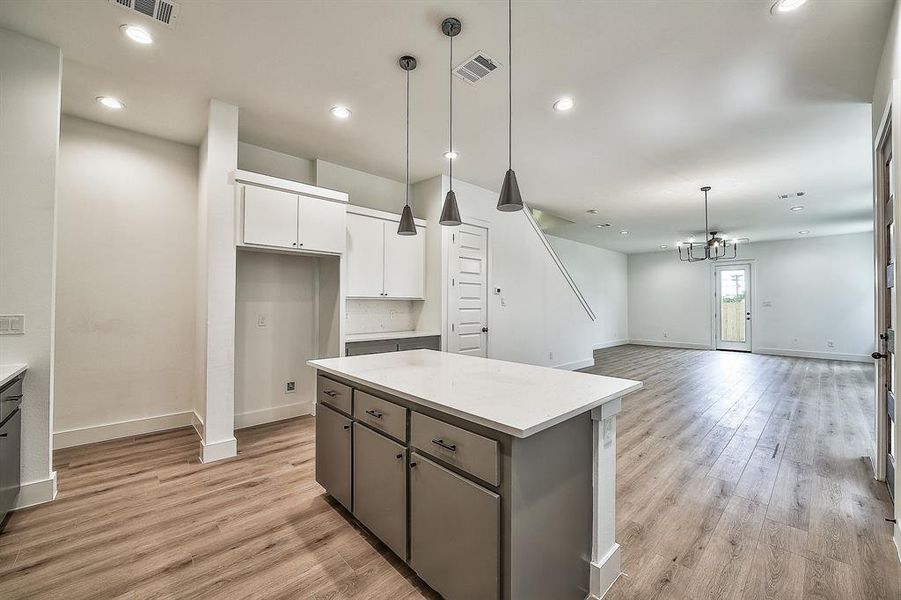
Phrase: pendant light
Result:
[510,199]
[407,226]
[450,212]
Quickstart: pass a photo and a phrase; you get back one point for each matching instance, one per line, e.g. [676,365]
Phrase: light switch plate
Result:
[12,324]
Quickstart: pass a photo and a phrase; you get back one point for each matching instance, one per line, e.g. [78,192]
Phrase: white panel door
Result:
[404,263]
[733,307]
[321,225]
[365,256]
[270,217]
[469,291]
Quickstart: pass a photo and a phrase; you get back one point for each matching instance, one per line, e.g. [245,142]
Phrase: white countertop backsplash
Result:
[513,398]
[380,316]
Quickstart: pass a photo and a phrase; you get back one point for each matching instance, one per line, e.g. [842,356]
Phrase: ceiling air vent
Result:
[476,67]
[161,11]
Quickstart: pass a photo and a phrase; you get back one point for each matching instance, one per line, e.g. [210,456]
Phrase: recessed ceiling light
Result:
[450,155]
[624,232]
[110,102]
[784,6]
[663,246]
[602,225]
[796,208]
[592,211]
[137,34]
[804,231]
[564,104]
[340,112]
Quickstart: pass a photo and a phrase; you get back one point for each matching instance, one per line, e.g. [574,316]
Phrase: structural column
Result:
[216,263]
[605,552]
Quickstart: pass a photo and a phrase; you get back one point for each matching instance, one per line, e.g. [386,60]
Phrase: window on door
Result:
[733,307]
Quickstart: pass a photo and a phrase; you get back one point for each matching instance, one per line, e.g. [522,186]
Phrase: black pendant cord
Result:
[450,87]
[510,84]
[706,225]
[407,187]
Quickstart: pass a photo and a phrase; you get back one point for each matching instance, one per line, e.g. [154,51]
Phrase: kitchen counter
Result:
[490,479]
[388,335]
[10,372]
[512,398]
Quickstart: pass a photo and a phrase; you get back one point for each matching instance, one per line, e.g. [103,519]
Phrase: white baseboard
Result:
[36,492]
[610,344]
[809,354]
[218,450]
[197,423]
[670,344]
[574,366]
[605,572]
[112,431]
[273,413]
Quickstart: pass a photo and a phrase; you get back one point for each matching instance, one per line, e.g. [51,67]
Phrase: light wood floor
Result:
[739,476]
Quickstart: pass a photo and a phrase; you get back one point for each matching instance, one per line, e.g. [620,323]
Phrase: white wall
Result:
[126,218]
[365,189]
[820,290]
[275,164]
[540,320]
[282,290]
[29,146]
[602,276]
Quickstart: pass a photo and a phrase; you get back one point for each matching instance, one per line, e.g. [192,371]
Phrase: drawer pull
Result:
[445,445]
[347,427]
[374,413]
[412,464]
[13,398]
[399,455]
[330,393]
[3,435]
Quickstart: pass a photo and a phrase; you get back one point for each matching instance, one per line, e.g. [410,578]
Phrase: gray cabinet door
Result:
[371,347]
[380,487]
[10,453]
[454,532]
[333,453]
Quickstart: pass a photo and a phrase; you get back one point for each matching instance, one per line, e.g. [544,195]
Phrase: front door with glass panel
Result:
[733,307]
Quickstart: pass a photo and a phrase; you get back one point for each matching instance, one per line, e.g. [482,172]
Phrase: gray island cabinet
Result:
[490,479]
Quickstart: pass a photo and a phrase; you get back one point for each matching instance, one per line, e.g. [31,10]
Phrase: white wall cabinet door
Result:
[321,225]
[404,263]
[270,217]
[365,256]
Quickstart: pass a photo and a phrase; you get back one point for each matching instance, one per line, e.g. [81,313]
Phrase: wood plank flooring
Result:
[739,476]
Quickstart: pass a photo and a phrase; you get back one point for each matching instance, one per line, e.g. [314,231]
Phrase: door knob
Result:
[878,355]
[484,330]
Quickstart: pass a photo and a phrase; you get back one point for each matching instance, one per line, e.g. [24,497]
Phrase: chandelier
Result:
[714,246]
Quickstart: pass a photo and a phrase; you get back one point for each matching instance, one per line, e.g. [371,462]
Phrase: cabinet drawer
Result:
[432,342]
[333,454]
[454,532]
[380,487]
[337,395]
[463,449]
[10,397]
[381,414]
[374,347]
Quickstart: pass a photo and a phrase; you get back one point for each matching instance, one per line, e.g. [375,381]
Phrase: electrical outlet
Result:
[665,335]
[262,320]
[550,355]
[830,344]
[290,387]
[768,304]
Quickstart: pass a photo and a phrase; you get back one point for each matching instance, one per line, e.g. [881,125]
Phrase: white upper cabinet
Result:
[404,263]
[320,225]
[270,217]
[310,219]
[365,256]
[380,263]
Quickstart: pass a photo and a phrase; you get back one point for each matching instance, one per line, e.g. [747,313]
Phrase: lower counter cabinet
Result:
[380,487]
[333,453]
[10,452]
[454,532]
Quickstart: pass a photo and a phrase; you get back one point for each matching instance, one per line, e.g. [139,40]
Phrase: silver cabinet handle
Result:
[330,393]
[13,398]
[374,413]
[445,445]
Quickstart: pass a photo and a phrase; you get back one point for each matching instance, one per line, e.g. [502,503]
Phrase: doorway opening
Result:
[733,307]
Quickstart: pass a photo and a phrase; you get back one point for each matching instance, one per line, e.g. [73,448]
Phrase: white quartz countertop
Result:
[387,335]
[10,372]
[513,398]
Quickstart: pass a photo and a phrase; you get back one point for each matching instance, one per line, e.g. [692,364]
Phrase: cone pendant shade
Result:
[510,199]
[450,213]
[406,225]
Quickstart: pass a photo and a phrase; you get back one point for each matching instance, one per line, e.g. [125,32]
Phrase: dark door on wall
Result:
[887,299]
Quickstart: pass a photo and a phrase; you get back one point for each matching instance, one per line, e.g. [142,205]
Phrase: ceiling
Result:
[670,95]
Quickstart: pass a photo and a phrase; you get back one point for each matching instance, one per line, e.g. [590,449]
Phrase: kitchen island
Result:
[491,479]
